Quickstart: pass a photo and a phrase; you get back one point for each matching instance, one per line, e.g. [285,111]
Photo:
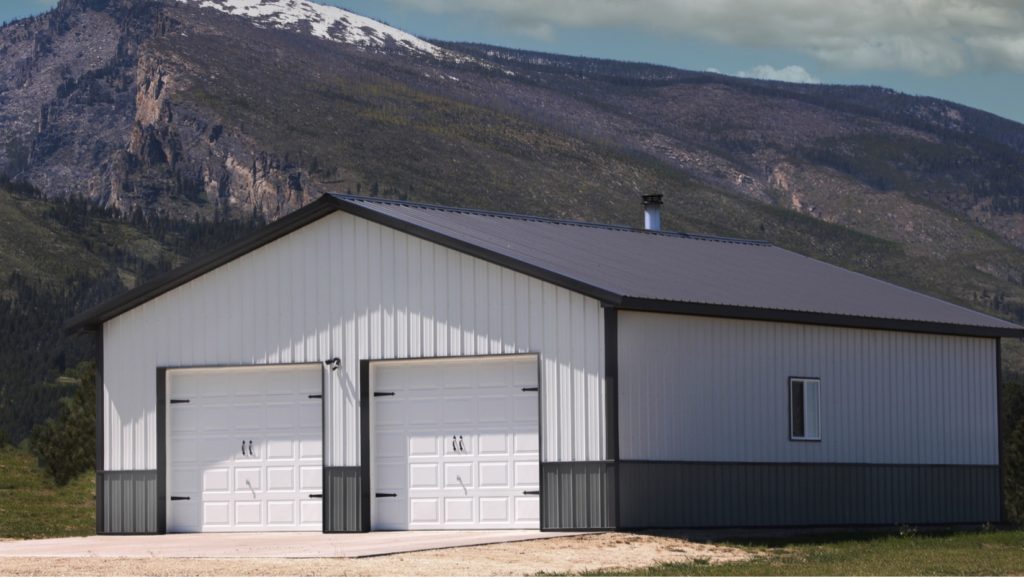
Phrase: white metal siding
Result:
[344,286]
[707,389]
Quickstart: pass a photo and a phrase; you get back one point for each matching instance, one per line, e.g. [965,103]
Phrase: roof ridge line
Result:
[549,220]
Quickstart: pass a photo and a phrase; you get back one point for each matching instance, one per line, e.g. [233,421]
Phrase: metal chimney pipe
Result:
[652,212]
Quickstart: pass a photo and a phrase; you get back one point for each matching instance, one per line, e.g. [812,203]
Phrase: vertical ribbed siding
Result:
[129,502]
[346,287]
[343,491]
[707,389]
[578,496]
[679,494]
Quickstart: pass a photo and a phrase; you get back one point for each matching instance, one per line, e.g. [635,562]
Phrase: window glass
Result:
[804,403]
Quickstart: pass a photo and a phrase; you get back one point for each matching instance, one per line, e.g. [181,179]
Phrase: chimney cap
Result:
[652,199]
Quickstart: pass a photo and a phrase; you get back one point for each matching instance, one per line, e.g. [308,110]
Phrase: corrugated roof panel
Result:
[681,268]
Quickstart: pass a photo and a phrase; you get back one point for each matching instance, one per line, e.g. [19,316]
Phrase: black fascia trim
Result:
[92,318]
[812,318]
[496,258]
[1000,430]
[100,429]
[161,450]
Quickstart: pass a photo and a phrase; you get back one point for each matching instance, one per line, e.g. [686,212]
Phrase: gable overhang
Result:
[94,318]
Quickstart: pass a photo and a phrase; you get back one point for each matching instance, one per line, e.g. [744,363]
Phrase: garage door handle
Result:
[243,447]
[462,448]
[380,495]
[250,448]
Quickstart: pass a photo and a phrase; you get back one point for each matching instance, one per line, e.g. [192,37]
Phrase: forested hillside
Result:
[59,257]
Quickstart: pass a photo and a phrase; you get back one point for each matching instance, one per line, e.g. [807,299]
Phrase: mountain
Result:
[191,111]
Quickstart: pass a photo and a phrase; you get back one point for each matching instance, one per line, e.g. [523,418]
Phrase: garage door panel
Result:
[281,512]
[458,510]
[284,450]
[249,452]
[215,480]
[216,513]
[312,449]
[281,479]
[493,443]
[423,477]
[248,513]
[423,444]
[467,468]
[527,508]
[458,476]
[424,511]
[495,510]
[494,474]
[311,478]
[527,474]
[526,443]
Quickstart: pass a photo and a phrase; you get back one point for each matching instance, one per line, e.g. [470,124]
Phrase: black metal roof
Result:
[630,269]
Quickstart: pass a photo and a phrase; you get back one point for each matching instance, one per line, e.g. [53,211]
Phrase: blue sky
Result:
[968,51]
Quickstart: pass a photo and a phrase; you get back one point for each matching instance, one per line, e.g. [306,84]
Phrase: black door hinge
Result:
[531,389]
[531,493]
[316,495]
[179,401]
[383,394]
[380,495]
[316,396]
[179,498]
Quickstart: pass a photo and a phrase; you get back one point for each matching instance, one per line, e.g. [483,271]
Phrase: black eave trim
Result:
[812,318]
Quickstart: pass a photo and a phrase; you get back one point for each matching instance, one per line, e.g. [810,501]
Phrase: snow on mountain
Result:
[327,22]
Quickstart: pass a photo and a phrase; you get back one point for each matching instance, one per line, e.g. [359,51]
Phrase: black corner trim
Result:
[364,442]
[161,450]
[1000,431]
[100,431]
[611,384]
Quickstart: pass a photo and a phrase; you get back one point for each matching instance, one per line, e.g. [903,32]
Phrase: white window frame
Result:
[808,411]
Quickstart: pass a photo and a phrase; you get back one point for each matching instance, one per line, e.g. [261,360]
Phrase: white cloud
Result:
[792,73]
[934,37]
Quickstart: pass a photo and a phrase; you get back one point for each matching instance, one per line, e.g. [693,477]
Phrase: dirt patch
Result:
[556,555]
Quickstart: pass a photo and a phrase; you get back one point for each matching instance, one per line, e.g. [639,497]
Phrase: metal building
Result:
[366,364]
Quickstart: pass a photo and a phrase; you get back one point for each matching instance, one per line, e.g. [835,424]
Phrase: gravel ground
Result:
[556,555]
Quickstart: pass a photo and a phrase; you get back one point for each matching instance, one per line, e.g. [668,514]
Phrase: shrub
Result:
[65,445]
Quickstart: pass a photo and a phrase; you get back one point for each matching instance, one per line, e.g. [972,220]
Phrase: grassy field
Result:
[955,553]
[31,506]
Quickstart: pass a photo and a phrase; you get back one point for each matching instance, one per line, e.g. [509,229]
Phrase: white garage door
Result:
[455,444]
[244,449]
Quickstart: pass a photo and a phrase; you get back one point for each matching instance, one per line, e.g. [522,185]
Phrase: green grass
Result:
[32,506]
[954,553]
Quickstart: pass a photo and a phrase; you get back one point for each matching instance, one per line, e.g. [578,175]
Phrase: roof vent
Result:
[652,212]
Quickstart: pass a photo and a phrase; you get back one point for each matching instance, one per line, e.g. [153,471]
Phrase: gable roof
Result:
[626,268]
